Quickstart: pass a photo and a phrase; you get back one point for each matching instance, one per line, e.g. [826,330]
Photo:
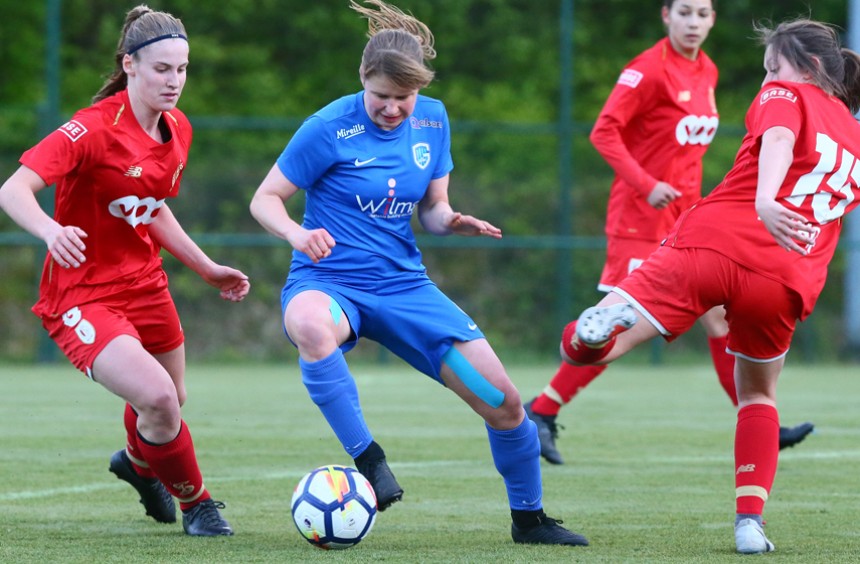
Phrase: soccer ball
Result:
[334,507]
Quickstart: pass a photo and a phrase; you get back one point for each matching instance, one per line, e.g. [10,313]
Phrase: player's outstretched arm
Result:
[437,217]
[167,232]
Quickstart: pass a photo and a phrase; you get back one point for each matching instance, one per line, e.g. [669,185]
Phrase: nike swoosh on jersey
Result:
[362,163]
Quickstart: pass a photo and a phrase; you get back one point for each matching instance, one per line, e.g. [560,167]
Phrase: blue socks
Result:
[516,454]
[333,389]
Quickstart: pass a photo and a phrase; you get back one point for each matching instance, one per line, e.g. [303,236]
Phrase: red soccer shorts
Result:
[623,256]
[83,331]
[674,287]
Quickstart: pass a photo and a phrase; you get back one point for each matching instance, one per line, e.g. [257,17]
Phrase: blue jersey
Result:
[363,184]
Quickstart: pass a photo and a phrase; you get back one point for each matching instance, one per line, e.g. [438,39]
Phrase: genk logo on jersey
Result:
[421,155]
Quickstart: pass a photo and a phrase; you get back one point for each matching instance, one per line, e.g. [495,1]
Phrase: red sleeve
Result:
[776,105]
[628,99]
[61,151]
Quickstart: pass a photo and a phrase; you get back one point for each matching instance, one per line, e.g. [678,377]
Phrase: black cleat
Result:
[153,495]
[547,433]
[548,531]
[385,486]
[204,520]
[790,436]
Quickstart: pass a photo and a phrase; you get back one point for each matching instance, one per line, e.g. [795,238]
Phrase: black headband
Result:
[140,46]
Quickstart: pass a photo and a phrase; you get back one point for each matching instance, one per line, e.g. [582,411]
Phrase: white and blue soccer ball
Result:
[334,507]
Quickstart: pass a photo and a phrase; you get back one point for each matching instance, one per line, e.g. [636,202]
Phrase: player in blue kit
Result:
[367,162]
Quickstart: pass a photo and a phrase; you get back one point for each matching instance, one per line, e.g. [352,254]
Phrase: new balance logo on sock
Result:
[184,488]
[745,468]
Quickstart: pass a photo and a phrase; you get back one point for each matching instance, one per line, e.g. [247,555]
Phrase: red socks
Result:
[724,364]
[134,455]
[175,463]
[564,386]
[579,352]
[756,456]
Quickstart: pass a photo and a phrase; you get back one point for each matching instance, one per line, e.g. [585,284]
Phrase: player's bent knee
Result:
[166,403]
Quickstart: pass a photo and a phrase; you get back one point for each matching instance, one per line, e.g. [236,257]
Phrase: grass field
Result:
[648,475]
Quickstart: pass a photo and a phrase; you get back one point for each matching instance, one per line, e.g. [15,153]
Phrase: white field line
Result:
[291,473]
[296,473]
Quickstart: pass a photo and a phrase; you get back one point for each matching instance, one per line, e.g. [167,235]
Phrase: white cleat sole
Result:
[596,325]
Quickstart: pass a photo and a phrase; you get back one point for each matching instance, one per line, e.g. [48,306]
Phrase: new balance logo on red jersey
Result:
[73,130]
[134,171]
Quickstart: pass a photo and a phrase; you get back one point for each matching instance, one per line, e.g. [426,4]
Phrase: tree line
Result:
[259,67]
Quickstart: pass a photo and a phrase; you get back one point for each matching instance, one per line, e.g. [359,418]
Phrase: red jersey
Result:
[656,125]
[821,184]
[111,180]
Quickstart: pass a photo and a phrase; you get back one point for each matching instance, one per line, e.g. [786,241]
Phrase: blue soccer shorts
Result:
[407,314]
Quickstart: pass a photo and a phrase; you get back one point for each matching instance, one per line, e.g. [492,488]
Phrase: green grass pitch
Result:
[648,475]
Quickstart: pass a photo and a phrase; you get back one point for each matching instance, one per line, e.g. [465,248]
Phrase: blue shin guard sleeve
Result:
[333,389]
[516,454]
